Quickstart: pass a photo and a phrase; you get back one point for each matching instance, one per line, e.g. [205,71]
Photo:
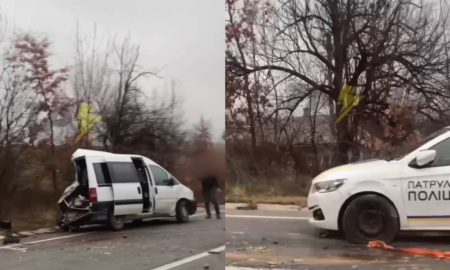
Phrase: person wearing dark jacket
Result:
[210,187]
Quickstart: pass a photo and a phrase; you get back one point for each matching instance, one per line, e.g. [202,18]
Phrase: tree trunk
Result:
[251,113]
[344,142]
[52,150]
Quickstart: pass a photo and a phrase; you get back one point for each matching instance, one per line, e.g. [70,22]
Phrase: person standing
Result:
[210,187]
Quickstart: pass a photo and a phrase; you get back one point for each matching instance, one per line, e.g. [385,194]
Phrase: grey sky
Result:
[185,36]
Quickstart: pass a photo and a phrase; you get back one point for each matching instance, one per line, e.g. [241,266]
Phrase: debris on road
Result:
[322,233]
[263,249]
[250,206]
[418,251]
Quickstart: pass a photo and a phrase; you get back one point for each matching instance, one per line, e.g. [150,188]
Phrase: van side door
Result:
[128,198]
[166,195]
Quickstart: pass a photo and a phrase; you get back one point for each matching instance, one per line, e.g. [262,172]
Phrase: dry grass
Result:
[35,220]
[273,195]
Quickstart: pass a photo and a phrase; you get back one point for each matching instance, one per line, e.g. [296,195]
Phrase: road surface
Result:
[156,244]
[284,240]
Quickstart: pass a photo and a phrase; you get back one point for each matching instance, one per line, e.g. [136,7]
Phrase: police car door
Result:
[426,190]
[126,185]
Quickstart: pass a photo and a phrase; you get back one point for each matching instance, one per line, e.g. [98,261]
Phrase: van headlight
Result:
[328,186]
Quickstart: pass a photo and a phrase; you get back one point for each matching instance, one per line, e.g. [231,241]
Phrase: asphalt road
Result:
[284,240]
[155,244]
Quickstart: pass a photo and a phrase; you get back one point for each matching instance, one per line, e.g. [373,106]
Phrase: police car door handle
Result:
[156,190]
[139,190]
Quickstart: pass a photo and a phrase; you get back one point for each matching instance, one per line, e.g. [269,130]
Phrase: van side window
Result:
[159,175]
[442,154]
[102,174]
[123,172]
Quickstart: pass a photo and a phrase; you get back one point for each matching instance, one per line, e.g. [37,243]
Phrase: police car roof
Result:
[93,153]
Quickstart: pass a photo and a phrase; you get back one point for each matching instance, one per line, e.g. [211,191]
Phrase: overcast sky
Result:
[187,37]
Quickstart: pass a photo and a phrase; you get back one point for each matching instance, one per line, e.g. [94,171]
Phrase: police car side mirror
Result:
[423,158]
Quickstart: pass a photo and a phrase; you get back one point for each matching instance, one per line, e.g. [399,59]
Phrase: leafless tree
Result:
[383,47]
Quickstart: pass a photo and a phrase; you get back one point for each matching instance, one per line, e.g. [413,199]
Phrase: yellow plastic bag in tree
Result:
[86,119]
[348,99]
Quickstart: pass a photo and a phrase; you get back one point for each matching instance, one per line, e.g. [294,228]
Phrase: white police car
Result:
[375,199]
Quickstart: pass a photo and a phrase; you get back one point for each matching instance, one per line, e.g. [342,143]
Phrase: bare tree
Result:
[381,47]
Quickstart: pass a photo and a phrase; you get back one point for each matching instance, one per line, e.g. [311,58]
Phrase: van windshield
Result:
[411,147]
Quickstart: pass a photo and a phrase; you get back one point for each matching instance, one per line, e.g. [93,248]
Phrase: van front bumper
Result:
[325,208]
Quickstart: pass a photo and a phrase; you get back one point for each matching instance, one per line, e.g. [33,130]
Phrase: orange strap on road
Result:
[418,251]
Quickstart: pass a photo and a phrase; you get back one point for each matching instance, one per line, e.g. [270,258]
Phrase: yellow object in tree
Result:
[86,119]
[348,99]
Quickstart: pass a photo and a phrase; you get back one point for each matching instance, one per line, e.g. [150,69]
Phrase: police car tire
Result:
[390,227]
[116,223]
[182,213]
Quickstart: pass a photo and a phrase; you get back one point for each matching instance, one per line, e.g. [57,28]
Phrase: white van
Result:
[373,200]
[113,188]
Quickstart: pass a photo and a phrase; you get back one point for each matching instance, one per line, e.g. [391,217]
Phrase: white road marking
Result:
[46,240]
[266,217]
[66,236]
[190,259]
[202,214]
[248,268]
[63,237]
[15,249]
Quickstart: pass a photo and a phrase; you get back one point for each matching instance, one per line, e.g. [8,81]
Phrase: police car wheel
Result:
[116,223]
[182,213]
[370,217]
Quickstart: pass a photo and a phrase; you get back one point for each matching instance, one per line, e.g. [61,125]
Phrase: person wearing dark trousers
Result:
[210,187]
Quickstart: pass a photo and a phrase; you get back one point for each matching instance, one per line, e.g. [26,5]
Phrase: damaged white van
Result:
[113,188]
[375,199]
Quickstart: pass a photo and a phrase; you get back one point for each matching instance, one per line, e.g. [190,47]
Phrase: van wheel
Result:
[182,213]
[116,223]
[370,217]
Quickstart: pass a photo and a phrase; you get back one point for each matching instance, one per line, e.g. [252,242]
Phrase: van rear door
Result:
[126,185]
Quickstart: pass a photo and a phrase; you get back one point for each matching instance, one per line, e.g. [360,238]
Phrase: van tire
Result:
[182,212]
[370,217]
[116,223]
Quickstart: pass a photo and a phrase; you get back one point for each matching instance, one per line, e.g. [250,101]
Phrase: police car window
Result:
[159,175]
[442,154]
